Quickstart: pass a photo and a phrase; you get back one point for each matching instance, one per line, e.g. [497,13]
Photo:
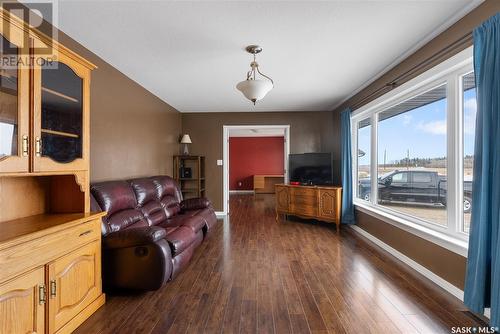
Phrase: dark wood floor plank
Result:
[265,321]
[299,324]
[233,312]
[311,310]
[253,275]
[248,322]
[281,316]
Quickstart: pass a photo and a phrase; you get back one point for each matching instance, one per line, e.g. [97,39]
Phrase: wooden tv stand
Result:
[316,202]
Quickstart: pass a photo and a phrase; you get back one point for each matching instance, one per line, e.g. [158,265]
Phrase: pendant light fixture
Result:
[253,88]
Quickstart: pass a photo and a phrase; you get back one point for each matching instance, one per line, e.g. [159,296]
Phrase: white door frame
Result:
[225,152]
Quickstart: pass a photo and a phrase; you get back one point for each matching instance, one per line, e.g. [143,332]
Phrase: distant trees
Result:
[420,162]
[439,162]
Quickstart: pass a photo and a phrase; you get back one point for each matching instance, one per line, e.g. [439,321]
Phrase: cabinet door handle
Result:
[41,294]
[85,233]
[25,146]
[53,288]
[38,146]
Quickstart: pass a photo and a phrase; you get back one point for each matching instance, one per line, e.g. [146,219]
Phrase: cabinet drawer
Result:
[306,210]
[305,200]
[304,192]
[25,256]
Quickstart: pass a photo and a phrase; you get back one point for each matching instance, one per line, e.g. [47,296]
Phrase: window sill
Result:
[454,245]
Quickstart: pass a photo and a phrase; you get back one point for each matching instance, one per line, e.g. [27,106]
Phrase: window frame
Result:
[449,72]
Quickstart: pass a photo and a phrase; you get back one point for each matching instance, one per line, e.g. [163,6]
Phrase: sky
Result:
[421,130]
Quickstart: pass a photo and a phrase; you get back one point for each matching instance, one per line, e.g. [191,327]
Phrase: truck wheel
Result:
[366,197]
[467,204]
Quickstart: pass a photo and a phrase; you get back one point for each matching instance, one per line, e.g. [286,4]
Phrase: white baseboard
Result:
[412,264]
[241,192]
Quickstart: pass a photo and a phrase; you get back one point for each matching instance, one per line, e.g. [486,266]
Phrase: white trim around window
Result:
[449,72]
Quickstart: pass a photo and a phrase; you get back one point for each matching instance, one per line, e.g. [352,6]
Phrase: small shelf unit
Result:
[193,186]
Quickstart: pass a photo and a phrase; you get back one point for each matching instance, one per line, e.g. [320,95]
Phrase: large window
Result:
[412,156]
[418,142]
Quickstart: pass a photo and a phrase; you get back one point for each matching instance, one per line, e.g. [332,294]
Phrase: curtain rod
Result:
[445,53]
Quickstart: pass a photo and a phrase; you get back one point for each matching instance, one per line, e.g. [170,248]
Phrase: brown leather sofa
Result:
[149,232]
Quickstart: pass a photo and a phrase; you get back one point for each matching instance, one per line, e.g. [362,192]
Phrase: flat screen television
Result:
[311,168]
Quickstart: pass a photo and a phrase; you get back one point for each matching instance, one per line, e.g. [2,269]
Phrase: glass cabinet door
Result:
[14,111]
[61,114]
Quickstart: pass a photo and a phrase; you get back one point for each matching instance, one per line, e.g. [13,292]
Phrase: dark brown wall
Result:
[437,259]
[309,132]
[132,132]
[442,262]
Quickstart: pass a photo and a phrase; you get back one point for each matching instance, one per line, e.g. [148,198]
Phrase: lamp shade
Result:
[186,139]
[254,90]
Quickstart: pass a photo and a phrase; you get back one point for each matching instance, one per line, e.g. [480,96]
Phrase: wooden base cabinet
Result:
[22,308]
[56,289]
[74,283]
[316,202]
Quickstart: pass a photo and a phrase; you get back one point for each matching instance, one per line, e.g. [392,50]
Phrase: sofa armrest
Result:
[195,204]
[133,237]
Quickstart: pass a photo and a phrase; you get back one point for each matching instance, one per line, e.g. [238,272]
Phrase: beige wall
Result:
[309,132]
[442,262]
[132,132]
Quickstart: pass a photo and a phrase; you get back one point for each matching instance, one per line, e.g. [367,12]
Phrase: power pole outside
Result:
[385,158]
[408,159]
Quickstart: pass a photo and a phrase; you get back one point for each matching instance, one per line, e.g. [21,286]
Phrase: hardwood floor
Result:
[253,275]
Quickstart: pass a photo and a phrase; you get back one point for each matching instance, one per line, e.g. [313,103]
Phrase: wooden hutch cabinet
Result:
[50,242]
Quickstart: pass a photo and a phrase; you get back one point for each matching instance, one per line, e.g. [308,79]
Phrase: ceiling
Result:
[191,53]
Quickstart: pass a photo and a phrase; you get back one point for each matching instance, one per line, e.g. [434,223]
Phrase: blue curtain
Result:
[482,284]
[346,167]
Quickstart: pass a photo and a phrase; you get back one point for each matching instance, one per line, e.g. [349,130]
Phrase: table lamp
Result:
[186,140]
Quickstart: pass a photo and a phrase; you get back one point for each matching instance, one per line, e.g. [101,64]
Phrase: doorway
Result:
[249,131]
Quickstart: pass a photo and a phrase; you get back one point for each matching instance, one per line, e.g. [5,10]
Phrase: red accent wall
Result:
[249,156]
